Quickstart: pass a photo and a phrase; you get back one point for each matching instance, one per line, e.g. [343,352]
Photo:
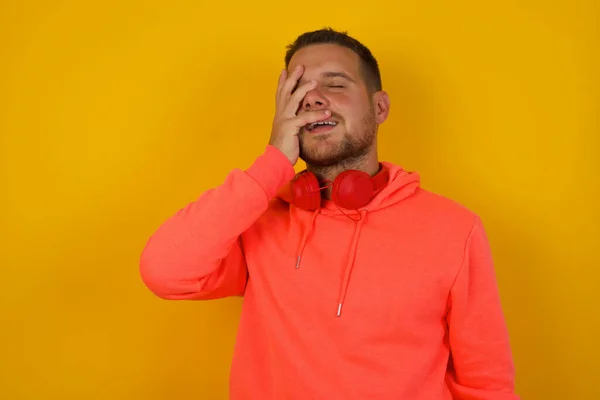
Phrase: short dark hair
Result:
[368,63]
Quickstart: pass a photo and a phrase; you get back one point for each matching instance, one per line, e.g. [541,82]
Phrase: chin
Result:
[331,148]
[321,163]
[321,157]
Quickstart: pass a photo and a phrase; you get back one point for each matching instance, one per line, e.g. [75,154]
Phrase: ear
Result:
[381,103]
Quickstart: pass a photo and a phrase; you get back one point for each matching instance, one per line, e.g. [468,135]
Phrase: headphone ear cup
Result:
[352,189]
[305,192]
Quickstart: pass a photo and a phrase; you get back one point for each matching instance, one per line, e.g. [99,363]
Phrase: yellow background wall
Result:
[114,114]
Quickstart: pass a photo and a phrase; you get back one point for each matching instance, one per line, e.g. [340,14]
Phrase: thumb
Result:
[309,117]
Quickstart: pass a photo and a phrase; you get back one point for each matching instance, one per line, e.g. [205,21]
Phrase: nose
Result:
[314,100]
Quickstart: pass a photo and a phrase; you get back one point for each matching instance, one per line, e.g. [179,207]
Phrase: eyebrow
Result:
[334,74]
[328,74]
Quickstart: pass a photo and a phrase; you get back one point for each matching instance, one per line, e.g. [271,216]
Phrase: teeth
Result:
[321,123]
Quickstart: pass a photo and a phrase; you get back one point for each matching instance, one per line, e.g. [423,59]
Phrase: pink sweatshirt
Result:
[399,304]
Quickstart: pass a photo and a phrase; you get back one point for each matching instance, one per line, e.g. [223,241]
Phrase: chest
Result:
[386,273]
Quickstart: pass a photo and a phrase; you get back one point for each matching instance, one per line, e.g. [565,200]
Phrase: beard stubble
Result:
[350,149]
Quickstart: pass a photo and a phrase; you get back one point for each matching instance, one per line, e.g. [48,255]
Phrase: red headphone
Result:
[351,189]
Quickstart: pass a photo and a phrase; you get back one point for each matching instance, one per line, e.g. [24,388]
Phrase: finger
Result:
[291,108]
[291,82]
[280,83]
[309,117]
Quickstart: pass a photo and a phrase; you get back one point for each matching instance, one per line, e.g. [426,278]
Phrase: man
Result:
[357,283]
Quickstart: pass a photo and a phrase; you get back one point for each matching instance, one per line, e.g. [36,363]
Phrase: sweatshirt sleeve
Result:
[481,360]
[197,254]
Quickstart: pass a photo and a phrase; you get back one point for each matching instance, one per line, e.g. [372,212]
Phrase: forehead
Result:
[326,57]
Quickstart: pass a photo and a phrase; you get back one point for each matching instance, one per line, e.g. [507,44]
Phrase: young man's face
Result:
[342,90]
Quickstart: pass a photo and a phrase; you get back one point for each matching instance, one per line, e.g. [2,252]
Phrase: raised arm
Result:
[197,253]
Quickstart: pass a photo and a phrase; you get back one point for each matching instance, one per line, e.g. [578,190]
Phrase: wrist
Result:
[272,170]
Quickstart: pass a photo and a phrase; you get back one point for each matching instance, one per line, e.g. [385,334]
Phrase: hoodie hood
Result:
[401,185]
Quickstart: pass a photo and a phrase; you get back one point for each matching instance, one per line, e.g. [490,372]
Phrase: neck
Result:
[327,174]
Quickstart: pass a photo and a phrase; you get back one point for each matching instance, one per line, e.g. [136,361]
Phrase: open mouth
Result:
[320,126]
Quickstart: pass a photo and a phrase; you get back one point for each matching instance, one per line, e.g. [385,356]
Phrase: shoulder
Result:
[439,203]
[409,194]
[442,213]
